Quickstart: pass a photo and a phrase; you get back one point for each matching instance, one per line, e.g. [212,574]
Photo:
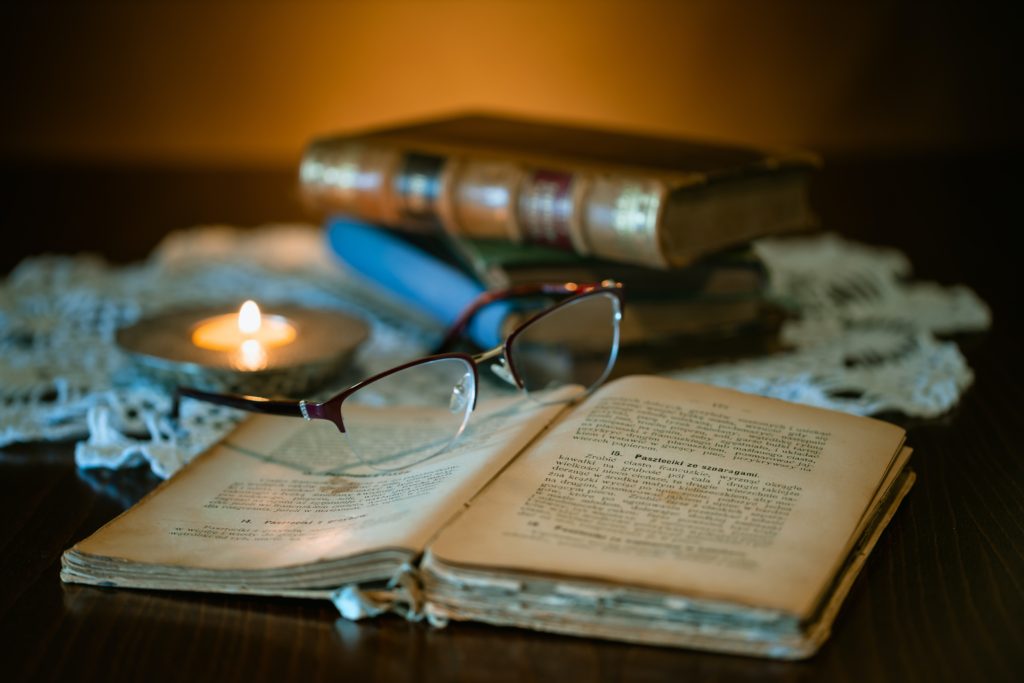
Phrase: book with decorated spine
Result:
[657,202]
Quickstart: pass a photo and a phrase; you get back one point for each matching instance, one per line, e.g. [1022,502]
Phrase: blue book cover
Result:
[414,276]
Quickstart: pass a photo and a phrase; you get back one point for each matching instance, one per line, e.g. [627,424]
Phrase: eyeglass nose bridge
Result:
[503,368]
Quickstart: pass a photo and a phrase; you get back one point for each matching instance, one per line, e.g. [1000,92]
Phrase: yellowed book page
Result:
[249,504]
[686,488]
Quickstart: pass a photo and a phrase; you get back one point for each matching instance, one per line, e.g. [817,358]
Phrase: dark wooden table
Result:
[941,598]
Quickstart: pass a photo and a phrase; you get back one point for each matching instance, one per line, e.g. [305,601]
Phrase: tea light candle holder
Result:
[287,352]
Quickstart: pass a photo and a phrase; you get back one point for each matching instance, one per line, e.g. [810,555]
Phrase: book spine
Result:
[479,199]
[621,219]
[355,178]
[417,189]
[611,217]
[548,210]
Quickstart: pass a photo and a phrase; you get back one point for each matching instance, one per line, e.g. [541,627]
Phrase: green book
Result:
[728,275]
[718,297]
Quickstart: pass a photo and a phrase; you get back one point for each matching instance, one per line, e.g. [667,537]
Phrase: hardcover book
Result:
[714,299]
[659,202]
[654,511]
[731,274]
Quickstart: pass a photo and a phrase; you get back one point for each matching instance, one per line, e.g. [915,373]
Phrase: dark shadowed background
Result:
[122,121]
[250,82]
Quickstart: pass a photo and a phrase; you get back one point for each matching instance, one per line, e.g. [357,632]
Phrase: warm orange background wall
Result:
[250,82]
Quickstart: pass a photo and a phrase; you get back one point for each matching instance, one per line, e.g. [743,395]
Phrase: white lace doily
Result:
[864,340]
[63,376]
[863,343]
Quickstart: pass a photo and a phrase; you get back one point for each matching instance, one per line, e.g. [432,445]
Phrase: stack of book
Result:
[437,212]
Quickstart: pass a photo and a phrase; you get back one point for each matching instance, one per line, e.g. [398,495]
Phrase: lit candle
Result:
[247,329]
[287,353]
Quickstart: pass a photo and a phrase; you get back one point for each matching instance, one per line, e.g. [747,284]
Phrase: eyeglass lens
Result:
[411,414]
[574,344]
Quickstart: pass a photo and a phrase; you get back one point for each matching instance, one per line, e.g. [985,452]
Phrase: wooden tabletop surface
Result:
[940,599]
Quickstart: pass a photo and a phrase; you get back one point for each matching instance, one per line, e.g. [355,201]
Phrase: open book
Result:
[655,511]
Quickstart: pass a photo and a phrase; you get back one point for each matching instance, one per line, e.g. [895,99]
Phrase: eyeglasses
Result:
[415,411]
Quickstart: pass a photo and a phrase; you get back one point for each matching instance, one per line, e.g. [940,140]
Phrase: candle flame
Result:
[249,318]
[252,356]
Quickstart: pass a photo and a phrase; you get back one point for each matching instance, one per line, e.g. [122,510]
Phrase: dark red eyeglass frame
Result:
[331,408]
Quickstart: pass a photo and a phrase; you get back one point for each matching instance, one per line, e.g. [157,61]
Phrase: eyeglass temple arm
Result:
[458,328]
[254,404]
